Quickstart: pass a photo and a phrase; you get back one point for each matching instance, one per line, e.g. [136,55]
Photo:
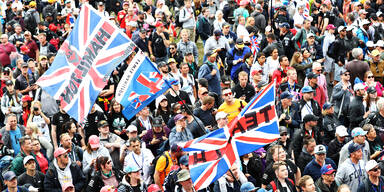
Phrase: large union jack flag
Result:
[211,156]
[255,47]
[140,85]
[84,62]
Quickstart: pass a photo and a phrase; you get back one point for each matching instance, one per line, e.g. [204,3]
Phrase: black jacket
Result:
[96,182]
[321,187]
[330,122]
[204,28]
[297,141]
[334,148]
[260,22]
[51,181]
[356,111]
[275,185]
[339,48]
[303,160]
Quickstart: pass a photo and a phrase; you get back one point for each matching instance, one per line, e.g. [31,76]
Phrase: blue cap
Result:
[9,175]
[327,105]
[358,131]
[286,95]
[184,160]
[285,24]
[246,187]
[131,168]
[327,169]
[353,147]
[307,89]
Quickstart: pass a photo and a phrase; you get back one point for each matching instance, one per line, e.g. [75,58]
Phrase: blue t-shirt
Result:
[15,135]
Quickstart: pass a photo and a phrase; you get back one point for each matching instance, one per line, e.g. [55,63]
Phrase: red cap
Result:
[159,24]
[94,141]
[153,188]
[52,27]
[24,48]
[330,26]
[26,98]
[59,151]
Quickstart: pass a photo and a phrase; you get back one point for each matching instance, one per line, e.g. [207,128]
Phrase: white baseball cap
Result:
[341,130]
[370,165]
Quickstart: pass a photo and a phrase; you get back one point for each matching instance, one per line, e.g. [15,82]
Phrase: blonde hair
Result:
[35,129]
[35,102]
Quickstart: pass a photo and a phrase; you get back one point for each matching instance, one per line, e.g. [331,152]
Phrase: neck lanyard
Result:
[289,87]
[142,160]
[360,174]
[309,108]
[374,186]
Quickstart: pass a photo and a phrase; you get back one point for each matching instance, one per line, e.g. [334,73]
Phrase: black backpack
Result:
[30,22]
[170,181]
[177,18]
[151,170]
[332,50]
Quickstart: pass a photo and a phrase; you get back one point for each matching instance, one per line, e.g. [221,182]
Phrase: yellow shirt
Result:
[234,109]
[160,166]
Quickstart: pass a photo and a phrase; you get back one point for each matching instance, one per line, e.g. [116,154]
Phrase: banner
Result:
[84,62]
[140,85]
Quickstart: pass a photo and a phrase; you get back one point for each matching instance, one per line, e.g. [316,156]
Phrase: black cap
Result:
[102,123]
[217,33]
[9,82]
[7,69]
[24,64]
[371,90]
[310,117]
[157,122]
[312,75]
[100,3]
[210,53]
[161,64]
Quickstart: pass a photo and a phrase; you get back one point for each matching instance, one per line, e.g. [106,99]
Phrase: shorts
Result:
[328,64]
[337,72]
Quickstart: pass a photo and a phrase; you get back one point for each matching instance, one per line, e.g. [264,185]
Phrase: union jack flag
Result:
[211,156]
[70,20]
[140,85]
[255,48]
[84,62]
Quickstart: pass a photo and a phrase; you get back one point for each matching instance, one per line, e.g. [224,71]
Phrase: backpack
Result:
[151,170]
[274,187]
[170,181]
[177,18]
[30,22]
[332,50]
[379,33]
[5,166]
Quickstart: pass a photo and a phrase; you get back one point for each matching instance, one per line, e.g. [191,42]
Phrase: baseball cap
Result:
[67,1]
[358,86]
[131,169]
[132,24]
[27,158]
[160,99]
[42,57]
[183,175]
[157,122]
[184,160]
[286,95]
[67,185]
[59,151]
[102,123]
[125,3]
[246,187]
[32,4]
[363,11]
[320,149]
[100,3]
[107,188]
[341,28]
[211,53]
[349,28]
[131,128]
[371,90]
[153,188]
[161,64]
[221,115]
[353,147]
[365,22]
[239,41]
[312,75]
[310,117]
[9,175]
[330,26]
[171,60]
[370,44]
[327,169]
[358,131]
[159,24]
[24,64]
[9,82]
[94,141]
[343,70]
[25,98]
[341,130]
[175,148]
[283,129]
[179,117]
[307,89]
[327,105]
[217,33]
[375,53]
[370,165]
[310,35]
[380,43]
[285,24]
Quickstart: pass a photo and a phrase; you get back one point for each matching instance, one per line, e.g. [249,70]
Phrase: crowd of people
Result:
[325,57]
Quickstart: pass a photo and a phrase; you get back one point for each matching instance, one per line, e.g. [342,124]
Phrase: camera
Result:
[35,108]
[287,117]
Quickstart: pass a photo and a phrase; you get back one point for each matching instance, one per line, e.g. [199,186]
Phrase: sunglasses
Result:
[171,48]
[375,169]
[65,156]
[347,74]
[109,162]
[227,94]
[370,77]
[6,73]
[284,134]
[320,70]
[205,93]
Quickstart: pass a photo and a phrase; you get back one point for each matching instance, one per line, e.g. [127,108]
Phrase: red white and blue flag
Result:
[140,85]
[70,20]
[211,156]
[255,47]
[84,62]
